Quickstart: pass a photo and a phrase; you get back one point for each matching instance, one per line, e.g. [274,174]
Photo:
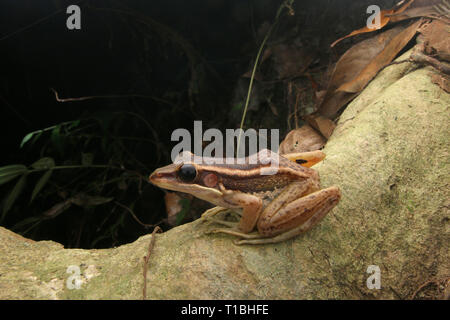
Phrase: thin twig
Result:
[285,4]
[156,225]
[112,96]
[146,258]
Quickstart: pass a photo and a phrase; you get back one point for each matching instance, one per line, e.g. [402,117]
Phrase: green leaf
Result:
[26,138]
[10,172]
[95,201]
[15,192]
[44,163]
[74,124]
[57,209]
[41,183]
[36,136]
[57,139]
[84,200]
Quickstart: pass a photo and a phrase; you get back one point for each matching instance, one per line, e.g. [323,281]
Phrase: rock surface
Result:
[389,155]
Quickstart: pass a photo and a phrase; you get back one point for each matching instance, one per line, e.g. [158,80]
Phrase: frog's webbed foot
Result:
[211,216]
[219,214]
[212,212]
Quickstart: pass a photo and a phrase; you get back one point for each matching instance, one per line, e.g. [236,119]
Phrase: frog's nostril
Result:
[154,176]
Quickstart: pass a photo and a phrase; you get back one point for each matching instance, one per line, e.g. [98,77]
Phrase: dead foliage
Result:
[302,139]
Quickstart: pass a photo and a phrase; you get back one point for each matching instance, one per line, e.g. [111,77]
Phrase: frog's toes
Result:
[223,222]
[213,211]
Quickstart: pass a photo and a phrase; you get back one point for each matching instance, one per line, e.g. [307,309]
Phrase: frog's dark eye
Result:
[187,172]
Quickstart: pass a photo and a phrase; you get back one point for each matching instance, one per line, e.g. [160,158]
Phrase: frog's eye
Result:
[187,172]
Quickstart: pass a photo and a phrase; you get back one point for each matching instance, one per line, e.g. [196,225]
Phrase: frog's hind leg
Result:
[305,212]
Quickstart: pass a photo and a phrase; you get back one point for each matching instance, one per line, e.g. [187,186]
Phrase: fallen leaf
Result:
[324,125]
[385,17]
[381,60]
[349,66]
[291,61]
[433,35]
[302,139]
[361,63]
[435,9]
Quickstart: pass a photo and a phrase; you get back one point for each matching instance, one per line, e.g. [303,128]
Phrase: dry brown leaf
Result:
[381,60]
[267,53]
[324,125]
[423,3]
[436,9]
[291,61]
[385,17]
[302,139]
[335,102]
[349,67]
[436,37]
[433,48]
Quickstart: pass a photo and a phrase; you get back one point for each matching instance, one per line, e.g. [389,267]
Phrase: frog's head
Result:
[188,177]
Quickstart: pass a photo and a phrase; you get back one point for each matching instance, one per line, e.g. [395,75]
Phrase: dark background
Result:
[150,67]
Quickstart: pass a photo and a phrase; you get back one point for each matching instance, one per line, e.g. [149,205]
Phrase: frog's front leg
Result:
[211,216]
[211,213]
[250,210]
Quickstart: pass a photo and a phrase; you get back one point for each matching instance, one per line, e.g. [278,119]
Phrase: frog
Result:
[276,197]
